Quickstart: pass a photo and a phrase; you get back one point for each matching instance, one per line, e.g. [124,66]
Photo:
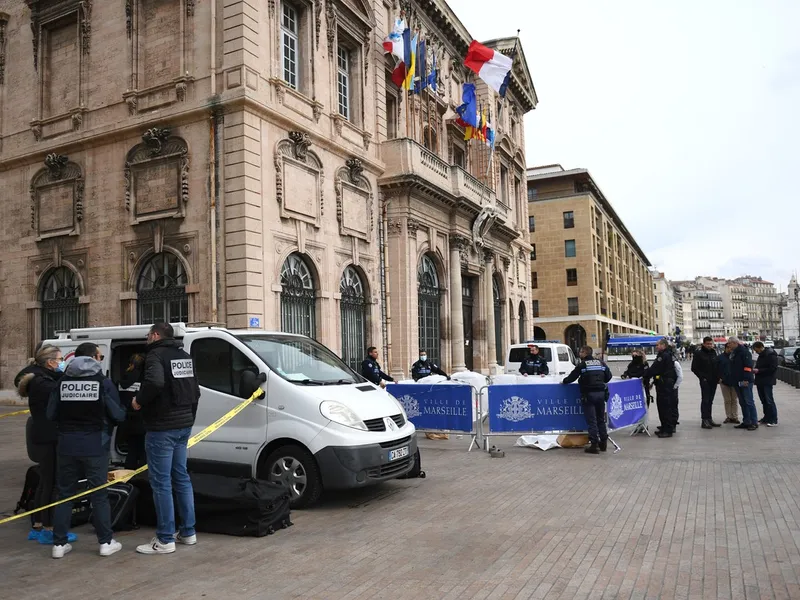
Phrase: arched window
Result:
[523,322]
[428,301]
[161,290]
[429,139]
[353,309]
[498,322]
[61,308]
[298,297]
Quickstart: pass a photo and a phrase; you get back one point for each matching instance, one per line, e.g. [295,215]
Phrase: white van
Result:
[319,425]
[559,357]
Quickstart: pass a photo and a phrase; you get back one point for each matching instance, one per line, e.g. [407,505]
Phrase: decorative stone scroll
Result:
[57,198]
[157,177]
[299,179]
[354,201]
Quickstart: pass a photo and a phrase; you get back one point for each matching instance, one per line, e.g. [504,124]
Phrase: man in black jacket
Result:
[424,367]
[705,367]
[168,401]
[766,370]
[594,376]
[534,363]
[84,406]
[663,372]
[372,370]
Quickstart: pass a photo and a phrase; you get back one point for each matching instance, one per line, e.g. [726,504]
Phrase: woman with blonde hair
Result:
[36,382]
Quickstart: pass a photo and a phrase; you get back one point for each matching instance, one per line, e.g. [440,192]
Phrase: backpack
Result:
[25,501]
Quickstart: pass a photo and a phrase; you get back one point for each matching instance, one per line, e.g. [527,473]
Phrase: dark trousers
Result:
[708,390]
[45,491]
[594,409]
[136,456]
[667,407]
[765,394]
[70,470]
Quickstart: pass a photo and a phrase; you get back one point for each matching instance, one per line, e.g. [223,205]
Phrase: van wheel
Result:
[293,467]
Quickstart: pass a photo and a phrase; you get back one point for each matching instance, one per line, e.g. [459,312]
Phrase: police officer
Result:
[594,376]
[662,371]
[83,406]
[423,367]
[168,401]
[372,370]
[534,363]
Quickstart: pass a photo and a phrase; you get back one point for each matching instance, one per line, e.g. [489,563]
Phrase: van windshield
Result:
[517,355]
[302,361]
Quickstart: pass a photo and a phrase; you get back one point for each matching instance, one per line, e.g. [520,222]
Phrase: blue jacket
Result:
[724,365]
[86,443]
[742,364]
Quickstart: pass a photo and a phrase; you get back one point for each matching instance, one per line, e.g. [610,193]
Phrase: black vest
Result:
[81,403]
[178,376]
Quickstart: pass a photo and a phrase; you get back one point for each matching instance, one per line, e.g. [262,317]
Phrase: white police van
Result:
[560,358]
[319,425]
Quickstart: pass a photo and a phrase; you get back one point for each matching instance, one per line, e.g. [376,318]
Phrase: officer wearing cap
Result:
[371,370]
[534,363]
[593,376]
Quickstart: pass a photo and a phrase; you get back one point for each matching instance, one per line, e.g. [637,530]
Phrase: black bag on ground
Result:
[416,470]
[28,495]
[82,507]
[122,497]
[241,507]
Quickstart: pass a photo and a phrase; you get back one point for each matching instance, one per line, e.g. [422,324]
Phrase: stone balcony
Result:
[409,163]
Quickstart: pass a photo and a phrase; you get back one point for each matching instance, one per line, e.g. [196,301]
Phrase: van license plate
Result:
[399,453]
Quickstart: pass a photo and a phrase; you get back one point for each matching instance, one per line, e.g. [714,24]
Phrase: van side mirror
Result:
[249,382]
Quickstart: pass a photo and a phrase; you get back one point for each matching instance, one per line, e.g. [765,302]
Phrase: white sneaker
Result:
[60,551]
[189,540]
[772,424]
[154,546]
[110,548]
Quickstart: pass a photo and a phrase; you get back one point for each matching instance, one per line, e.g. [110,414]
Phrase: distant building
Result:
[588,273]
[791,312]
[702,307]
[663,304]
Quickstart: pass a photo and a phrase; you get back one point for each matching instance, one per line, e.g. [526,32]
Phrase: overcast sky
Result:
[685,114]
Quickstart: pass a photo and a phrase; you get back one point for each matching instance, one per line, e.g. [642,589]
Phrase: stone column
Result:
[491,347]
[456,306]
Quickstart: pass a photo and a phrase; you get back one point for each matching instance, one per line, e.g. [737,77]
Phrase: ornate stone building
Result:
[251,163]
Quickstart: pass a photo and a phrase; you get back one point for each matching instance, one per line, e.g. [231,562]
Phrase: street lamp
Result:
[797,305]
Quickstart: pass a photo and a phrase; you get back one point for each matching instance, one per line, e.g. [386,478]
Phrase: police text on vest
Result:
[181,369]
[80,391]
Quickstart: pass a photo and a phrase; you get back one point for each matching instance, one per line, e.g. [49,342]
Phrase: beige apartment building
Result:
[588,273]
[251,164]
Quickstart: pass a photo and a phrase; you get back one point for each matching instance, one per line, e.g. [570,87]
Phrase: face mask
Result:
[61,366]
[423,357]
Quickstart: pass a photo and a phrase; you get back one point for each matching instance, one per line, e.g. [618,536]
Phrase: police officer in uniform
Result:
[593,375]
[662,371]
[423,367]
[534,363]
[168,401]
[372,370]
[84,406]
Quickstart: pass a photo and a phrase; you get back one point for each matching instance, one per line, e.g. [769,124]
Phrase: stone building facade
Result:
[251,164]
[588,273]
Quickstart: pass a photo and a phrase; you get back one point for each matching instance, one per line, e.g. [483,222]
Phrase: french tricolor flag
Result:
[491,66]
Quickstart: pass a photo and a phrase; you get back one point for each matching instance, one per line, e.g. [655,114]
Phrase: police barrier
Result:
[556,409]
[436,408]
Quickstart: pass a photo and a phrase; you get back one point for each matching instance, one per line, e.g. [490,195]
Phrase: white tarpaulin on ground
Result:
[542,442]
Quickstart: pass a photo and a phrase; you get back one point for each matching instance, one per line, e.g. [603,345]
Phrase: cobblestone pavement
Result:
[706,514]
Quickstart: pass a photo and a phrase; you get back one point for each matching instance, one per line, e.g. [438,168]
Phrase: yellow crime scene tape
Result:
[14,414]
[192,441]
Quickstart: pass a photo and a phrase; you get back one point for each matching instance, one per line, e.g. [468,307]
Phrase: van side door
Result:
[219,361]
[564,364]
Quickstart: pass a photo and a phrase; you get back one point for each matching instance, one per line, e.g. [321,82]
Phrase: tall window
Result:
[498,322]
[161,291]
[572,306]
[569,248]
[353,313]
[391,116]
[298,297]
[535,280]
[535,308]
[343,80]
[523,322]
[531,224]
[290,26]
[428,300]
[569,220]
[61,308]
[572,276]
[459,158]
[532,194]
[504,185]
[533,252]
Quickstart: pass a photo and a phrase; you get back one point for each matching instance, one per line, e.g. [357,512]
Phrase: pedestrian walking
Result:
[727,384]
[662,372]
[85,406]
[765,371]
[704,366]
[593,376]
[371,369]
[742,369]
[37,382]
[168,400]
